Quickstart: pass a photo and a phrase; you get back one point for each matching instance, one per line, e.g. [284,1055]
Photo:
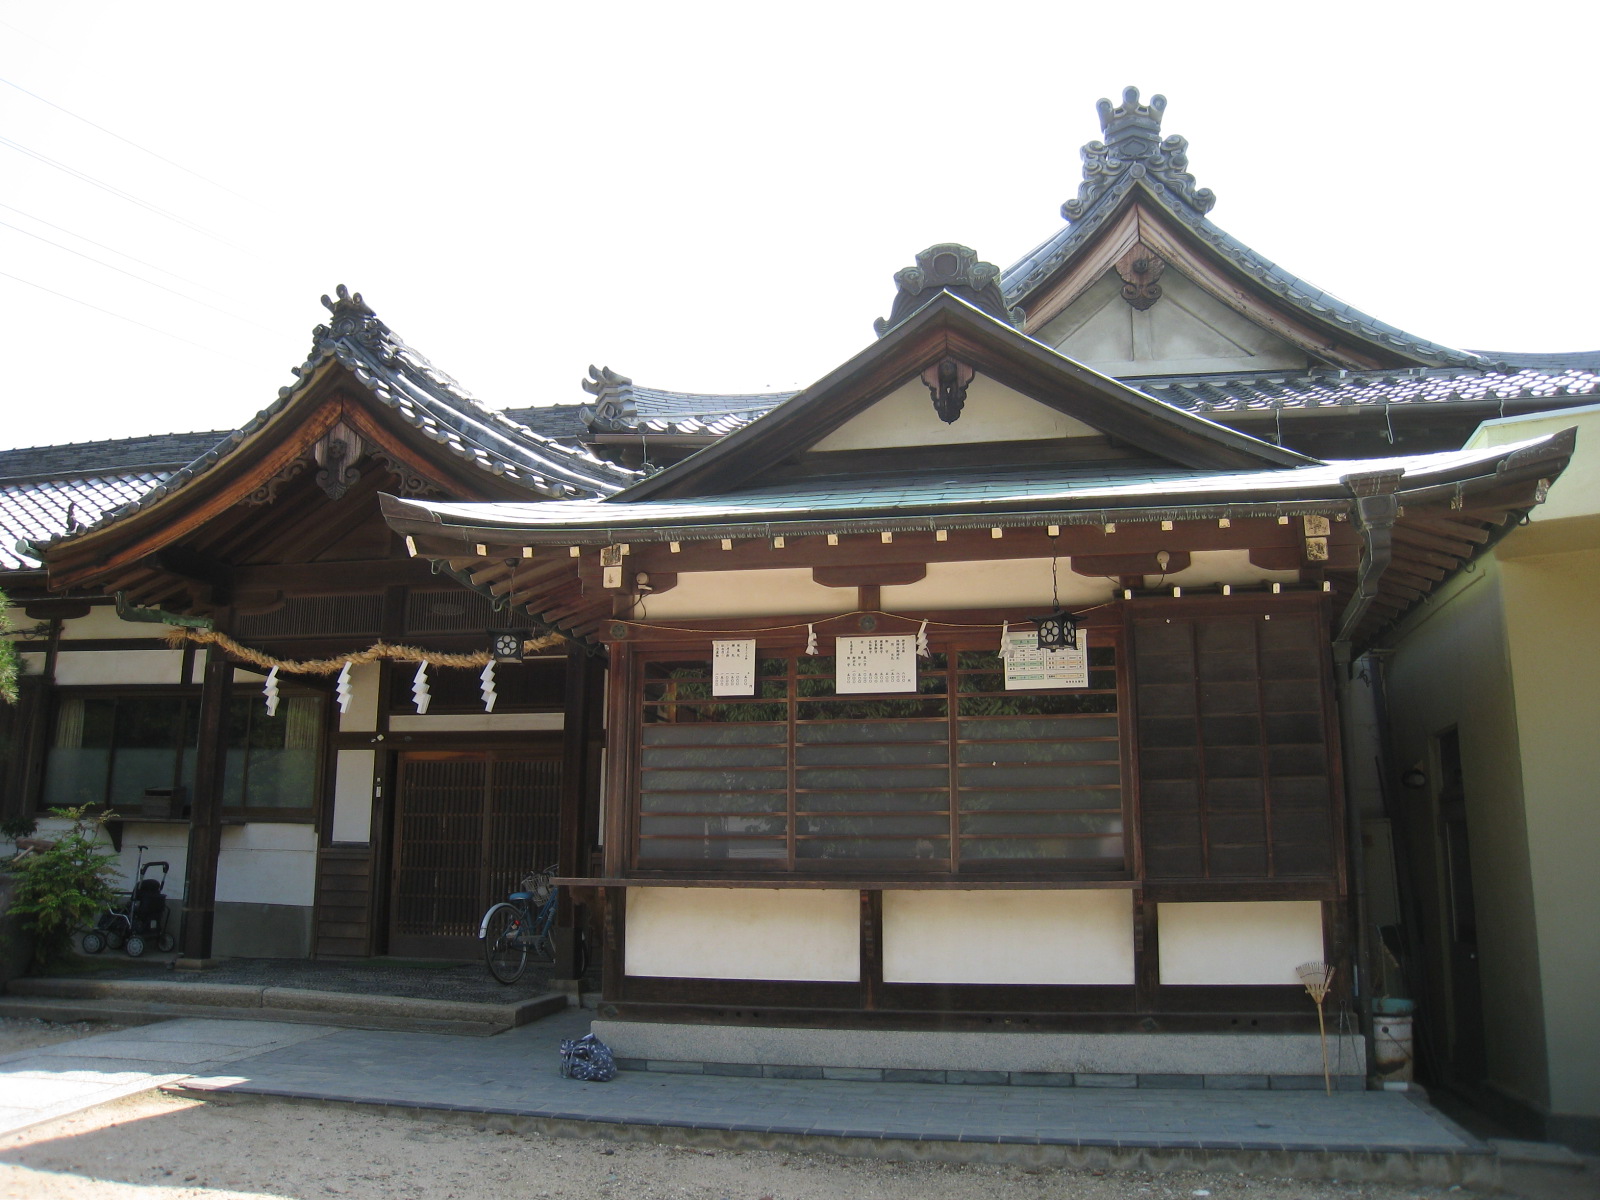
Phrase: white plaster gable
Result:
[993,413]
[1187,331]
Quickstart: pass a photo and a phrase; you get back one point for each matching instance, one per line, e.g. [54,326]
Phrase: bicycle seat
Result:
[519,897]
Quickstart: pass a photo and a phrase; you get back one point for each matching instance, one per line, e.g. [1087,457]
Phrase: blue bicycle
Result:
[520,923]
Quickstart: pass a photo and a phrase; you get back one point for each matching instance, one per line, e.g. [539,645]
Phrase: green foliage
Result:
[13,828]
[9,663]
[62,889]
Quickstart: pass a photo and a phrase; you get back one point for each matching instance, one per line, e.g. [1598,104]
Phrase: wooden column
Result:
[205,808]
[572,855]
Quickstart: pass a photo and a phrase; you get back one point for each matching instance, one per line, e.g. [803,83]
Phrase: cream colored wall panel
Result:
[352,795]
[167,843]
[447,722]
[747,594]
[1256,942]
[32,664]
[997,583]
[744,933]
[81,667]
[363,713]
[103,622]
[1555,661]
[1006,937]
[993,413]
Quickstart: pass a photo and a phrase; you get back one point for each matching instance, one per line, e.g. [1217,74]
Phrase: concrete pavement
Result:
[512,1080]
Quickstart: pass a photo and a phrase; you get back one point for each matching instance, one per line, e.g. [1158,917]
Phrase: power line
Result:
[133,275]
[129,320]
[128,141]
[128,196]
[112,249]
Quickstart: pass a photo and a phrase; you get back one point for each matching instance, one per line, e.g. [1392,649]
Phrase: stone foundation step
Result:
[141,1001]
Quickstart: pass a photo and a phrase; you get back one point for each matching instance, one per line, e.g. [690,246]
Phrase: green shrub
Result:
[65,888]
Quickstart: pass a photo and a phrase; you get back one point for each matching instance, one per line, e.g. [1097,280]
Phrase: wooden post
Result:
[205,808]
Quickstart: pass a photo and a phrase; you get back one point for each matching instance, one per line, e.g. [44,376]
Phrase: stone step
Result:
[139,1001]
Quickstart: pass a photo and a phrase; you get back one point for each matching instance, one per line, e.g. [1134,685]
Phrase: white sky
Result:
[715,197]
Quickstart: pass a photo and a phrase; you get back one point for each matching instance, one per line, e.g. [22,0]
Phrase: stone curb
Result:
[278,1003]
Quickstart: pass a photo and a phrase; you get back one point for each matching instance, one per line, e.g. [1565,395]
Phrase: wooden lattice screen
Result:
[468,827]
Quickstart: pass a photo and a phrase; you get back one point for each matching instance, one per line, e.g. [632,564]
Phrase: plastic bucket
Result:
[1391,1046]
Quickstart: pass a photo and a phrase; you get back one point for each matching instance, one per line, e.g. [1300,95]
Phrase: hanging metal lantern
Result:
[507,647]
[1058,631]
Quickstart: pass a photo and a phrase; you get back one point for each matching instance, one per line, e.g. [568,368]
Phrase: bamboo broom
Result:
[1316,977]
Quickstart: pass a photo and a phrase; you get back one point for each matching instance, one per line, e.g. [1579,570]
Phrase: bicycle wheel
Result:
[503,948]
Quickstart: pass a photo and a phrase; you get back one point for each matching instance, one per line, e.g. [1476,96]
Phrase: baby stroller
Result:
[140,921]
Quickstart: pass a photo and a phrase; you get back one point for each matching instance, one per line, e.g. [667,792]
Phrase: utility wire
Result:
[132,275]
[129,320]
[128,196]
[112,249]
[128,141]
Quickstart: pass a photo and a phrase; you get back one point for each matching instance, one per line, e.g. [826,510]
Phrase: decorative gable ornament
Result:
[947,383]
[952,268]
[1134,147]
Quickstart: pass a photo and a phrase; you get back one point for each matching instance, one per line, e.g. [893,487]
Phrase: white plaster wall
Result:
[119,666]
[1221,566]
[747,594]
[363,713]
[263,863]
[352,795]
[994,584]
[103,622]
[1241,943]
[166,842]
[744,933]
[995,937]
[413,723]
[993,413]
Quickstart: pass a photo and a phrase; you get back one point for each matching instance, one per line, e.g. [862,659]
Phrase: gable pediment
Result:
[1184,330]
[991,413]
[1003,387]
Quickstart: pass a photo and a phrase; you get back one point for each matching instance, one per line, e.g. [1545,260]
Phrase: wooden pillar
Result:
[577,825]
[205,808]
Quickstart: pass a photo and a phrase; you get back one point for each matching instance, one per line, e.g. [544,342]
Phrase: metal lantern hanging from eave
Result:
[1058,631]
[507,647]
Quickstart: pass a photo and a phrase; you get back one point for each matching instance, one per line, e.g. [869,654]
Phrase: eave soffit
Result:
[948,329]
[1135,171]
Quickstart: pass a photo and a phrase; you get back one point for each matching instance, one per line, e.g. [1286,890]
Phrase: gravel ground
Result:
[24,1033]
[160,1147]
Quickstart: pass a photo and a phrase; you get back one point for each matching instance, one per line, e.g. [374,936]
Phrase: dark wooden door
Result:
[468,826]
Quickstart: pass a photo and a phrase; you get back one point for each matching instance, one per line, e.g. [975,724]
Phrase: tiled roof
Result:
[40,509]
[926,498]
[1218,396]
[621,406]
[159,453]
[422,396]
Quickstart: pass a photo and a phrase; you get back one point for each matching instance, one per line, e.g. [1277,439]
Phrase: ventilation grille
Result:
[454,611]
[311,616]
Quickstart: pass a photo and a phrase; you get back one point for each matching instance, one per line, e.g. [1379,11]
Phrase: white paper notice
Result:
[877,664]
[733,668]
[1028,667]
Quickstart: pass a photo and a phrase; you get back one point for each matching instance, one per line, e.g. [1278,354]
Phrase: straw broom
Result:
[1316,977]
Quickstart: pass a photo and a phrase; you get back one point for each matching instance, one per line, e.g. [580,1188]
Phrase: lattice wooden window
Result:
[1234,766]
[961,777]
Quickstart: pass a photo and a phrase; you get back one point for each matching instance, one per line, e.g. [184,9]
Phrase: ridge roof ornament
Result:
[949,267]
[1134,147]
